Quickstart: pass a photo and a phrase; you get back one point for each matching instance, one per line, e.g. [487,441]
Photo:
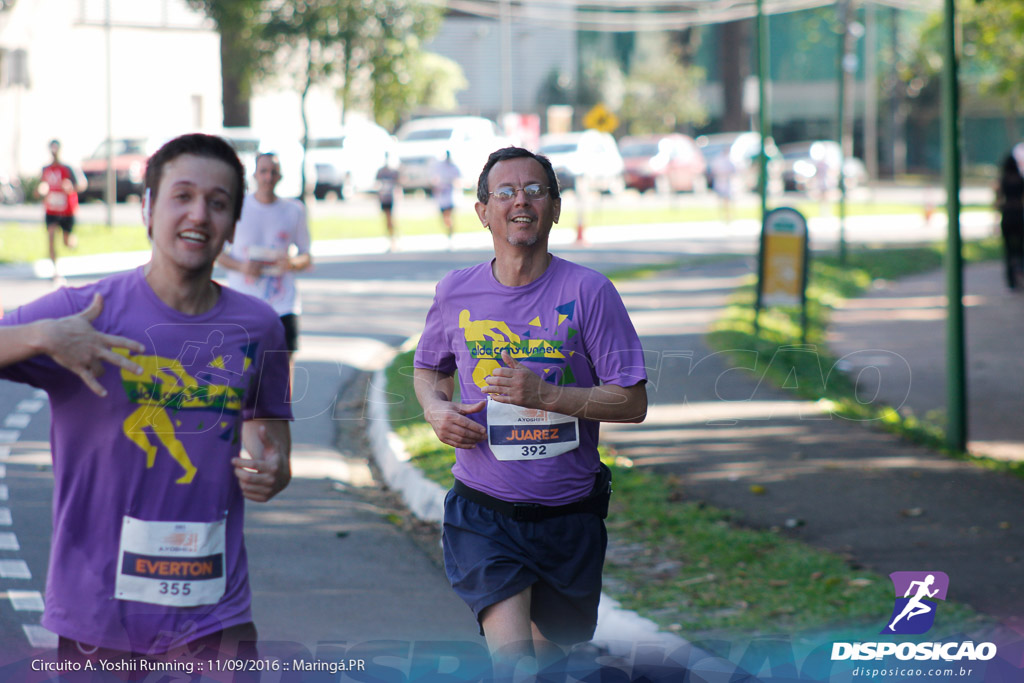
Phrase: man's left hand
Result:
[516,384]
[268,471]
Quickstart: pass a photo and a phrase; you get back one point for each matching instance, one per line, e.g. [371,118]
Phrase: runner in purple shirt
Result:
[545,351]
[147,555]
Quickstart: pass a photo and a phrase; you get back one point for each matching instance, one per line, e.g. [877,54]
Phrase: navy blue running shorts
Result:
[489,557]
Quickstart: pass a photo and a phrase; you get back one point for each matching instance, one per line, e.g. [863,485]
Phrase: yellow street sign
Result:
[600,118]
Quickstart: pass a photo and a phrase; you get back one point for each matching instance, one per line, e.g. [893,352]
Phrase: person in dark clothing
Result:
[1010,200]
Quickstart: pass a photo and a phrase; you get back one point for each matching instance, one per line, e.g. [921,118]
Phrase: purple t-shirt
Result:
[157,448]
[569,326]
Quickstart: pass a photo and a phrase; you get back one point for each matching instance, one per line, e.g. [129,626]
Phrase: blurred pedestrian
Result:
[259,258]
[387,183]
[722,172]
[1010,201]
[59,190]
[446,177]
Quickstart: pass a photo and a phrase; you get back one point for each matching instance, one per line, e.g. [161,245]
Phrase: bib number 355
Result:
[175,588]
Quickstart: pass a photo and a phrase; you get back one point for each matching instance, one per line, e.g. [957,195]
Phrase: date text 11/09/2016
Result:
[193,666]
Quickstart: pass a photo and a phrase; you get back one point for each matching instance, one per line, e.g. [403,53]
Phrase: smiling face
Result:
[520,221]
[193,213]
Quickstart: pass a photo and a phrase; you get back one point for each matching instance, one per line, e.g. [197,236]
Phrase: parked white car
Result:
[589,154]
[422,142]
[346,160]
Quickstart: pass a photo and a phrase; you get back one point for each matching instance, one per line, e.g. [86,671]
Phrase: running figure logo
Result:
[914,612]
[166,392]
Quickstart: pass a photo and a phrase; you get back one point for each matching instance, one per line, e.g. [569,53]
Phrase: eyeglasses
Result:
[532,191]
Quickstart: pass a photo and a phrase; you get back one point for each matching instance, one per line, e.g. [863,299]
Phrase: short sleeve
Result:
[302,240]
[272,399]
[612,343]
[434,351]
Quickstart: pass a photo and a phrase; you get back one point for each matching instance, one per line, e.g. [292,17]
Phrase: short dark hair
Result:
[200,145]
[269,155]
[483,191]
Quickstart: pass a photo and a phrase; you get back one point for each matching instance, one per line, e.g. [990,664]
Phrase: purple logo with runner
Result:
[916,594]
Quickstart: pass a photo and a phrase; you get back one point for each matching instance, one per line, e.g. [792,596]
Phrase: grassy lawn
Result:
[20,243]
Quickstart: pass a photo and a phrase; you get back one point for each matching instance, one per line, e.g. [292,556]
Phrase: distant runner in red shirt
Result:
[59,190]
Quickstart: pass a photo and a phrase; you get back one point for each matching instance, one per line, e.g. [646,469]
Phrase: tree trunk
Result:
[734,58]
[234,92]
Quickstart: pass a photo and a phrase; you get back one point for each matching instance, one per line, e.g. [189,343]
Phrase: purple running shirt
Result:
[157,449]
[569,326]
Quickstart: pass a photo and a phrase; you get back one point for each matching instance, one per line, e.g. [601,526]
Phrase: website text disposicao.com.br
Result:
[900,672]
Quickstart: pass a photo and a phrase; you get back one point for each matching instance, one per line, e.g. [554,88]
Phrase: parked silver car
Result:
[813,165]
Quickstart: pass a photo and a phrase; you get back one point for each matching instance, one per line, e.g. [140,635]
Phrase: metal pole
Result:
[505,27]
[763,74]
[762,60]
[956,433]
[841,82]
[111,189]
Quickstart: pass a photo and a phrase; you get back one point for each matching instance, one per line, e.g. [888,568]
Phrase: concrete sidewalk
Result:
[894,340]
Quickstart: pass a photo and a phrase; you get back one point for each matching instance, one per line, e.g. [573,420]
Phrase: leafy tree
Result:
[661,95]
[238,22]
[425,81]
[307,39]
[992,60]
[370,51]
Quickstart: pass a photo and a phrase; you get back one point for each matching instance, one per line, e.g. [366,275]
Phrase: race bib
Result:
[178,564]
[55,201]
[517,433]
[265,255]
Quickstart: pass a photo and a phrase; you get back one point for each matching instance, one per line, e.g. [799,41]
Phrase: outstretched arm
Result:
[518,385]
[434,391]
[71,342]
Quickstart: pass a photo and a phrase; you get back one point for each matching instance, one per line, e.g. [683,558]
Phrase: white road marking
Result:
[15,569]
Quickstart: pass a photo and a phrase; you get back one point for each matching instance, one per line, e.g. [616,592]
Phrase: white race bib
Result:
[179,564]
[517,433]
[55,201]
[265,255]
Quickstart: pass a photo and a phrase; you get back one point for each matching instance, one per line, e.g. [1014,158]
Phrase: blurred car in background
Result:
[11,191]
[347,160]
[423,142]
[590,154]
[129,161]
[665,163]
[743,149]
[813,165]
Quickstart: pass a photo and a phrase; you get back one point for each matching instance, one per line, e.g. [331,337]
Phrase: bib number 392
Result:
[517,433]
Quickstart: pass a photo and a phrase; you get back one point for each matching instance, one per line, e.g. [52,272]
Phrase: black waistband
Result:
[596,503]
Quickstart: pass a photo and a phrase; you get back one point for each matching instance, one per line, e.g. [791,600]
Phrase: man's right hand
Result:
[451,425]
[74,343]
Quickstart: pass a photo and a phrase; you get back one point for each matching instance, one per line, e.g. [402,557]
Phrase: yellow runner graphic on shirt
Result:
[164,389]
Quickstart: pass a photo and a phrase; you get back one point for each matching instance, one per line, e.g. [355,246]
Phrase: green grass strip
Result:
[25,243]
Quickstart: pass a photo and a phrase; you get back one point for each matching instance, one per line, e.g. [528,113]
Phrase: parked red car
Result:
[130,155]
[665,163]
